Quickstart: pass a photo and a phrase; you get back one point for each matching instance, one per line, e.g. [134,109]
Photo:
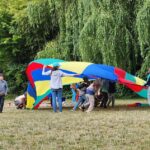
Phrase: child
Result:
[3,91]
[82,90]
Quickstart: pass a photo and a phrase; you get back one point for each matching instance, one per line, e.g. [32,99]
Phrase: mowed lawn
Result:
[103,129]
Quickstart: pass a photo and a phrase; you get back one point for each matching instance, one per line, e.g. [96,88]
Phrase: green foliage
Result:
[114,32]
[15,74]
[50,51]
[143,27]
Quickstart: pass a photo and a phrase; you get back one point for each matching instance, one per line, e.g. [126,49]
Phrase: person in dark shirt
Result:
[111,91]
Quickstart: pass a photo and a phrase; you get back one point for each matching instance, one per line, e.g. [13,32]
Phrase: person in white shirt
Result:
[56,84]
[20,101]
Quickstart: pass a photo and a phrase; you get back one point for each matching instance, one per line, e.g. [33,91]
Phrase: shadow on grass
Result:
[116,108]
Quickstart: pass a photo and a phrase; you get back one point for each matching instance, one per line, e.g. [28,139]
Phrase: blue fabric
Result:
[31,91]
[57,94]
[37,75]
[98,72]
[90,92]
[104,67]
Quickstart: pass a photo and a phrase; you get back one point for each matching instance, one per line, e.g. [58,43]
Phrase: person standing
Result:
[56,84]
[148,84]
[111,92]
[3,91]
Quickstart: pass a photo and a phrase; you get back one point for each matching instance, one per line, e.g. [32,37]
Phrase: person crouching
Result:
[20,101]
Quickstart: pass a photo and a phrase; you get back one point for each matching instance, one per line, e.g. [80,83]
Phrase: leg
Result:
[51,102]
[1,103]
[73,95]
[105,100]
[54,92]
[87,102]
[81,100]
[91,106]
[113,100]
[77,104]
[59,96]
[109,98]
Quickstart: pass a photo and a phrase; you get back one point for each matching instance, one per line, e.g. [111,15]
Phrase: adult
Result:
[3,91]
[56,84]
[111,92]
[148,84]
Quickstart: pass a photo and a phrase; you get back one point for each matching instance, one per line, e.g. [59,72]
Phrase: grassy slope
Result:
[114,129]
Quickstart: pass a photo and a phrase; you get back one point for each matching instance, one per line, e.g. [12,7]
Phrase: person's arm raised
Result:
[45,72]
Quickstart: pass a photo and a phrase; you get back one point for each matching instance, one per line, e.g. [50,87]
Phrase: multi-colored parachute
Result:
[39,85]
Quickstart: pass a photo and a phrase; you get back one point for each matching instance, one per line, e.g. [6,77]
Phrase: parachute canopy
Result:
[39,85]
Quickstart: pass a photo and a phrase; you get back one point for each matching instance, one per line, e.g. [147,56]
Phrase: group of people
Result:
[98,92]
[87,93]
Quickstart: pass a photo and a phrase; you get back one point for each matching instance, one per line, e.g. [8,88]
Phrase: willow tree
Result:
[98,31]
[114,32]
[143,29]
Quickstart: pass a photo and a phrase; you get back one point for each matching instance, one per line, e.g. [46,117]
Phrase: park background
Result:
[113,32]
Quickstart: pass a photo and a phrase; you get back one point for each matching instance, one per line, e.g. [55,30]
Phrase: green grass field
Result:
[103,129]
